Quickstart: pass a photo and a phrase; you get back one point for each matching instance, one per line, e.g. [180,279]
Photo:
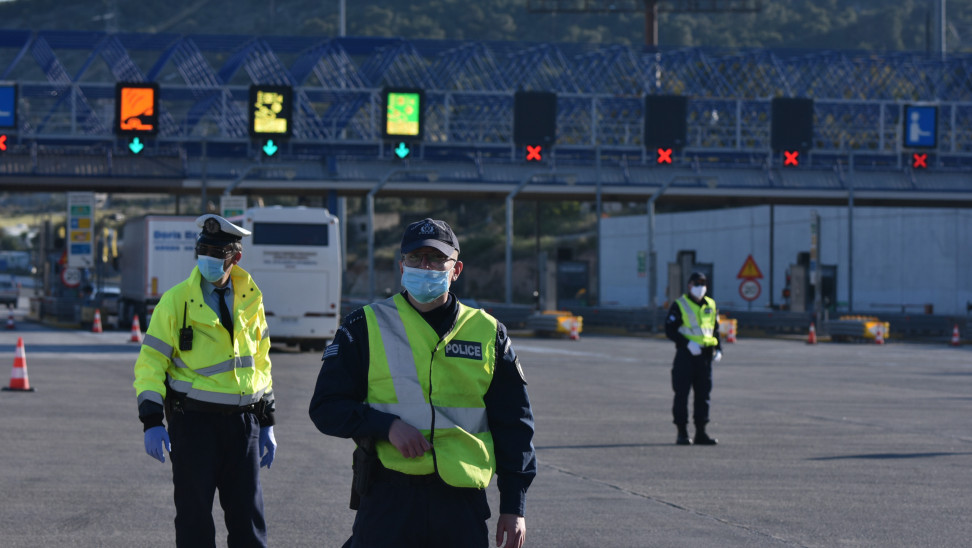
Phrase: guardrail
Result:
[773,322]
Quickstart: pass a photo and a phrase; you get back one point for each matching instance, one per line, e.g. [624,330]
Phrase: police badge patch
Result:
[464,349]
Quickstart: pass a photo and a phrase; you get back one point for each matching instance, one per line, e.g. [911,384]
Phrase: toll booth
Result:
[799,293]
[679,272]
[573,282]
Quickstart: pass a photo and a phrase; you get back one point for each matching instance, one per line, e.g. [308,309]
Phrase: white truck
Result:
[157,252]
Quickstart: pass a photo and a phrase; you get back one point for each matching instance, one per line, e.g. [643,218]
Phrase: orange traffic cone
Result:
[812,336]
[136,331]
[879,334]
[96,324]
[955,336]
[11,325]
[18,377]
[574,330]
[731,336]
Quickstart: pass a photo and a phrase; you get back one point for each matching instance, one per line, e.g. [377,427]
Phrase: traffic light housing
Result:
[666,118]
[791,127]
[270,116]
[534,119]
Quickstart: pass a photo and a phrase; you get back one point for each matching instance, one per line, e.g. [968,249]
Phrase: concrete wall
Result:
[902,256]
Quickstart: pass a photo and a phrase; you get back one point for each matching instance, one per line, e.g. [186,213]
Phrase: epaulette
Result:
[355,315]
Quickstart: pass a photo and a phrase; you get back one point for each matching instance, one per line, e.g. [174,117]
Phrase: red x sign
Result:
[3,142]
[791,157]
[664,156]
[533,153]
[919,161]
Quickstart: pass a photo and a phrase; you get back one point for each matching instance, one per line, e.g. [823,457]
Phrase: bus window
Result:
[307,234]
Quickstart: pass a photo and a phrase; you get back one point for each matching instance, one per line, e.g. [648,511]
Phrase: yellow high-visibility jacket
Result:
[215,370]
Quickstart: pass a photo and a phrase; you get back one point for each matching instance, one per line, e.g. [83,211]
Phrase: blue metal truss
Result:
[67,81]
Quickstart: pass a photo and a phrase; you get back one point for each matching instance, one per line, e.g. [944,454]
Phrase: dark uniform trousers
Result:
[691,373]
[213,451]
[402,511]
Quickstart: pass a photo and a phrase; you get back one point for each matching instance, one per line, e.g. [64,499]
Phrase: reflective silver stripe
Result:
[221,367]
[225,366]
[158,345]
[148,395]
[398,353]
[185,388]
[693,320]
[412,407]
[470,419]
[265,334]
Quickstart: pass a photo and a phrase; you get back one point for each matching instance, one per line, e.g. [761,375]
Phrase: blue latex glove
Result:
[268,446]
[155,438]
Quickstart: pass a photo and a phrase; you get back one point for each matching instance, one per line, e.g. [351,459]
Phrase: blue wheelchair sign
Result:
[920,126]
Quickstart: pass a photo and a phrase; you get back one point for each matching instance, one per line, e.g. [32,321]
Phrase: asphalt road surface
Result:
[826,445]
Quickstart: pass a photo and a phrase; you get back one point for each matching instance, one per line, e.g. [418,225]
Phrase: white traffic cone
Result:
[136,331]
[96,324]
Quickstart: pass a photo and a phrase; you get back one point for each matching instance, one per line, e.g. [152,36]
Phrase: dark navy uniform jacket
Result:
[337,407]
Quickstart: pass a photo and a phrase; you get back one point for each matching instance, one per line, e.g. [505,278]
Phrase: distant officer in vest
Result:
[435,398]
[204,362]
[693,324]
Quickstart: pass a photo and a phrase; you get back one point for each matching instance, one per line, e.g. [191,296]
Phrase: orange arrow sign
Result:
[749,270]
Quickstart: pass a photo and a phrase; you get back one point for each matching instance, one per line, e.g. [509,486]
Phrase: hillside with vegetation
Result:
[878,25]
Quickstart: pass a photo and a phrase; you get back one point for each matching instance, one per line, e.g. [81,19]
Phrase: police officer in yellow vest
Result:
[434,395]
[693,324]
[204,362]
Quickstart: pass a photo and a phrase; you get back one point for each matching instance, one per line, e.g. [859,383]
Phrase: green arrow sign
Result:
[402,151]
[270,149]
[136,145]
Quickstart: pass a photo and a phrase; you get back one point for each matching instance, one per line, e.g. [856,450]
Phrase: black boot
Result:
[701,438]
[683,437]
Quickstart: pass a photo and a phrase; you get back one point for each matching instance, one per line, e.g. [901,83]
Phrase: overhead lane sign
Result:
[920,126]
[271,116]
[136,112]
[403,119]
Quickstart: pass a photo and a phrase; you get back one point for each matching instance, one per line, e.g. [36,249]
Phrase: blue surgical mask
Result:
[425,285]
[211,268]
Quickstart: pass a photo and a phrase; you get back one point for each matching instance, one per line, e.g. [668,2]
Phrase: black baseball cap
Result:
[698,278]
[430,233]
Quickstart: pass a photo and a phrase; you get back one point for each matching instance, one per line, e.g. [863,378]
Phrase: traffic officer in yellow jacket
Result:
[693,325]
[204,361]
[435,398]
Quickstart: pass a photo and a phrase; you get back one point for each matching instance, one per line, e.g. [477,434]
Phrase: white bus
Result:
[294,256]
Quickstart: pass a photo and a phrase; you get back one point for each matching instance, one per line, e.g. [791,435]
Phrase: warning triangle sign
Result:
[749,270]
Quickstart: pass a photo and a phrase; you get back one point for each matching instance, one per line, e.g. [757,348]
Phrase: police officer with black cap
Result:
[435,398]
[204,367]
[693,324]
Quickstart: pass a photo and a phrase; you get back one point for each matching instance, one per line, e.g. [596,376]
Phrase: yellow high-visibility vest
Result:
[698,322]
[435,385]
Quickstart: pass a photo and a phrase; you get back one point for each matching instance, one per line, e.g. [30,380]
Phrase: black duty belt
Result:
[207,407]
